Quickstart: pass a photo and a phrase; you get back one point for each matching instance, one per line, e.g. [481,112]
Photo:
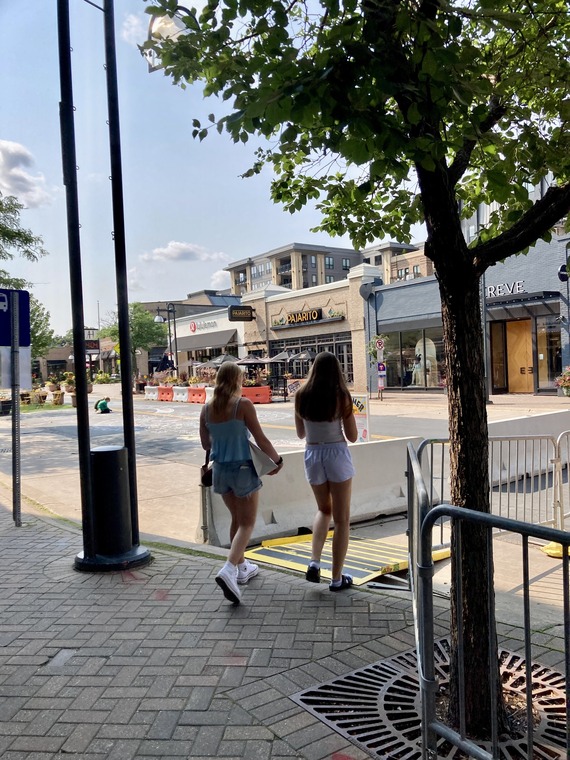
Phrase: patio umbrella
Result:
[219,360]
[282,357]
[304,356]
[250,359]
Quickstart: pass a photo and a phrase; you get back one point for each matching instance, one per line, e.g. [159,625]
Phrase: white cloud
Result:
[220,280]
[15,179]
[134,279]
[177,251]
[134,29]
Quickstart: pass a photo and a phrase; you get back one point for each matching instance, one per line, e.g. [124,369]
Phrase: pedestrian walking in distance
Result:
[324,417]
[226,423]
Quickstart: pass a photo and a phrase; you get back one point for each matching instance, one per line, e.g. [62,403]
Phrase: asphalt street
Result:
[169,453]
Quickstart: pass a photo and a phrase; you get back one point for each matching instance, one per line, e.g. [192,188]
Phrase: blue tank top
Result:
[230,439]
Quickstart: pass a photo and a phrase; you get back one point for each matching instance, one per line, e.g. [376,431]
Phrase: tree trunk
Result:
[469,475]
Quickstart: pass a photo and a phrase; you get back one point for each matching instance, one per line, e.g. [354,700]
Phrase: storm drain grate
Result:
[378,707]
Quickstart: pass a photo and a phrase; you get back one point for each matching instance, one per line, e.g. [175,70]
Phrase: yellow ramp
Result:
[366,558]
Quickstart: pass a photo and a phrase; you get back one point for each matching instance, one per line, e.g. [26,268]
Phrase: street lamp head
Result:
[164,28]
[159,319]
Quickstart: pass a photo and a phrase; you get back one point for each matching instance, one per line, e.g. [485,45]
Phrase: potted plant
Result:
[69,382]
[52,383]
[563,382]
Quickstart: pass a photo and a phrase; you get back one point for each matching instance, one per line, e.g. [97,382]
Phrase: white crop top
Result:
[324,432]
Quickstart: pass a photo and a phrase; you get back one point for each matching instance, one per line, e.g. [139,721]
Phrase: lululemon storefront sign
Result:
[203,325]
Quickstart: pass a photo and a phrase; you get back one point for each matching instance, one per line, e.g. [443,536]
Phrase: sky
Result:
[188,214]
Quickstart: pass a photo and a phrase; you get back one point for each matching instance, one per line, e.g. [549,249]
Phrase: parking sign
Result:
[25,352]
[6,317]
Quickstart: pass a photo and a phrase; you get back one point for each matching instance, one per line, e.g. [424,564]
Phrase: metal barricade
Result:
[527,476]
[428,479]
[563,481]
[434,729]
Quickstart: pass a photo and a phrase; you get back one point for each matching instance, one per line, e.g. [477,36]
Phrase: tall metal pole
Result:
[169,334]
[121,260]
[15,380]
[175,338]
[67,126]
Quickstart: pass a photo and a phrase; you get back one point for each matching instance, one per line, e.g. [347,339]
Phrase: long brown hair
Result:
[324,396]
[228,385]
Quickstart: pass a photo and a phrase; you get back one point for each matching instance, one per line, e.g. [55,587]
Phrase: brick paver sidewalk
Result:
[154,663]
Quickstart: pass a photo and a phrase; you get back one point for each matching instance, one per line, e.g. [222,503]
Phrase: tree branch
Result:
[461,161]
[543,215]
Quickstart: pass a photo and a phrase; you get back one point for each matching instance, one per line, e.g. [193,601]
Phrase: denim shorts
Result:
[328,462]
[239,477]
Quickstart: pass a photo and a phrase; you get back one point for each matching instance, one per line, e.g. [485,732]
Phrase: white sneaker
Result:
[227,581]
[246,571]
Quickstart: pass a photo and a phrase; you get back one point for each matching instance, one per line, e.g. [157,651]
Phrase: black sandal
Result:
[313,574]
[345,582]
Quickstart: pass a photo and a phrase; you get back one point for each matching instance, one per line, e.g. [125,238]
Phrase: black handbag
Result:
[206,473]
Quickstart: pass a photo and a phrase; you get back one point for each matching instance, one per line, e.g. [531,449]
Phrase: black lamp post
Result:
[563,276]
[128,552]
[170,309]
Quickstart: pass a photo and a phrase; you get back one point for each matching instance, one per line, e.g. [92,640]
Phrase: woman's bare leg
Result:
[322,520]
[340,497]
[244,511]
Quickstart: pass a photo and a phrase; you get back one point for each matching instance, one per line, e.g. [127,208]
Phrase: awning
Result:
[207,340]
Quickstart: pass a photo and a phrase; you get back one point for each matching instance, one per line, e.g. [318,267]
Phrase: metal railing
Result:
[423,518]
[528,476]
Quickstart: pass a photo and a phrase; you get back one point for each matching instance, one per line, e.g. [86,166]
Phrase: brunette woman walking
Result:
[225,424]
[324,416]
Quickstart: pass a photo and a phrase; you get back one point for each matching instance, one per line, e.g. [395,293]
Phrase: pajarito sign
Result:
[241,313]
[299,317]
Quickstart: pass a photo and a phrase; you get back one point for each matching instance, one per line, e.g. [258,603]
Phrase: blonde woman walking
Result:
[225,425]
[324,416]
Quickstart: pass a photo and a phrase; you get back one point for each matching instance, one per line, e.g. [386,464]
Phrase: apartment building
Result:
[295,266]
[398,262]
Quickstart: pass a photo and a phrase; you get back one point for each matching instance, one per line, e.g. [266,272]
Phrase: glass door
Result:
[498,357]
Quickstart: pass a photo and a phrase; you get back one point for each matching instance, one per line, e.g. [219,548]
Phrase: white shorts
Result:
[328,462]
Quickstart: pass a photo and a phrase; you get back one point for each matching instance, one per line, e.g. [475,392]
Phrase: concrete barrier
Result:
[513,460]
[165,393]
[180,393]
[287,505]
[551,423]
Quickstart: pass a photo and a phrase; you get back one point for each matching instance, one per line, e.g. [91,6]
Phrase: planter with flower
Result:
[69,382]
[563,382]
[256,393]
[52,383]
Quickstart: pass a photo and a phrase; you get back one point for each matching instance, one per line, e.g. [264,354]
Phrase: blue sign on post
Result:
[6,317]
[7,299]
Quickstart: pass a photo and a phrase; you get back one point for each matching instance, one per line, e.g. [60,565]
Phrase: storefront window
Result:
[413,367]
[433,337]
[340,345]
[415,358]
[549,351]
[392,360]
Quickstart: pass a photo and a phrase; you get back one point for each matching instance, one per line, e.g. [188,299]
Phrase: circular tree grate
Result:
[378,707]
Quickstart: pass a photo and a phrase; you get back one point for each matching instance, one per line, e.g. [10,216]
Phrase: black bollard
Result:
[114,549]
